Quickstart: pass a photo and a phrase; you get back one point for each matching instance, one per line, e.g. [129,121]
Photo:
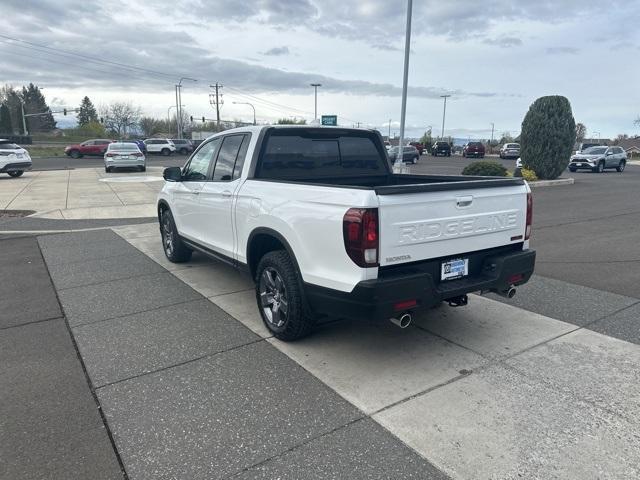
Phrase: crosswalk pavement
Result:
[484,391]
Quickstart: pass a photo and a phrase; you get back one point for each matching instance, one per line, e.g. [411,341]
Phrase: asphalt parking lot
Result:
[65,163]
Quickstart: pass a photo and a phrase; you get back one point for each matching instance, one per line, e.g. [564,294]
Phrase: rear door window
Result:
[227,157]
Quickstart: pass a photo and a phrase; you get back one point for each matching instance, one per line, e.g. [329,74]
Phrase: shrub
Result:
[528,175]
[485,169]
[547,137]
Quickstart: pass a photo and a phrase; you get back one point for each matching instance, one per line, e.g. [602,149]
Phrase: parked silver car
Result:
[597,159]
[510,150]
[124,155]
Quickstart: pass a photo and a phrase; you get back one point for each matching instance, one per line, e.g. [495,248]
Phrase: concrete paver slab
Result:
[374,366]
[49,422]
[82,246]
[128,346]
[123,297]
[589,366]
[138,231]
[566,301]
[362,450]
[491,328]
[243,307]
[216,416]
[91,272]
[26,294]
[215,279]
[497,423]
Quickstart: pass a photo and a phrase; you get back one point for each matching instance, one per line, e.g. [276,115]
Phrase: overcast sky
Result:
[494,57]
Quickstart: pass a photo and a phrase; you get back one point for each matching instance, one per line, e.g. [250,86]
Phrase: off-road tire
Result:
[573,170]
[178,252]
[299,319]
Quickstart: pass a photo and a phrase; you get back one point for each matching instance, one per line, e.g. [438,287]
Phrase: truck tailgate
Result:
[425,225]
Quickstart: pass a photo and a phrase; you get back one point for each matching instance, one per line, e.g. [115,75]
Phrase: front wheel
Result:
[280,297]
[174,249]
[16,174]
[183,151]
[415,160]
[621,166]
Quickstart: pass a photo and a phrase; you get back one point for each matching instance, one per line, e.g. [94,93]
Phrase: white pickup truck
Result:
[317,218]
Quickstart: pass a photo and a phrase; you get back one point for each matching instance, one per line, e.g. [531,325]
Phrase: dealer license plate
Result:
[452,269]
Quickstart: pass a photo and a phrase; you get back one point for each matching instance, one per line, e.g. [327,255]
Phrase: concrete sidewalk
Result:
[50,425]
[87,193]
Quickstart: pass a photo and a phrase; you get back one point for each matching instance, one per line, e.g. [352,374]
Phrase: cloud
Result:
[277,51]
[562,50]
[503,42]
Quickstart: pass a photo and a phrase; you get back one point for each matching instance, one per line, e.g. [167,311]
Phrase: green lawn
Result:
[37,151]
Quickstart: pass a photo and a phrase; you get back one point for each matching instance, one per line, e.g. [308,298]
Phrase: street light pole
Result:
[444,112]
[254,109]
[315,99]
[399,163]
[491,143]
[389,136]
[24,121]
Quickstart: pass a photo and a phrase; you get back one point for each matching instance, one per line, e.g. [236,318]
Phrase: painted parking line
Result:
[485,391]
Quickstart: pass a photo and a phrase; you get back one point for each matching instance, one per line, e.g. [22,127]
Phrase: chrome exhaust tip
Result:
[509,293]
[403,321]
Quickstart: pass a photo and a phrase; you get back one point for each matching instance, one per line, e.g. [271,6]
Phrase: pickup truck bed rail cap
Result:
[464,183]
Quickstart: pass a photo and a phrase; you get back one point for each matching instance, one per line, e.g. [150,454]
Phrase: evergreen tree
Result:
[87,113]
[34,102]
[11,98]
[5,119]
[547,137]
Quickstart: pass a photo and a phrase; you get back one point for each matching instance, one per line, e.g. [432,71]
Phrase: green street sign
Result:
[331,120]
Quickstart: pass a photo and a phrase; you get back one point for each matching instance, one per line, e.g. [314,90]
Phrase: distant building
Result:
[630,145]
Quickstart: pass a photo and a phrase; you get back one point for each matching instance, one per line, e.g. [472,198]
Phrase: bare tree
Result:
[120,117]
[581,132]
[636,122]
[151,126]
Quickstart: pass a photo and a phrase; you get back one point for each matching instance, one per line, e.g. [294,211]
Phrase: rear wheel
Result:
[621,166]
[142,169]
[280,297]
[107,169]
[166,152]
[16,174]
[174,249]
[183,151]
[414,160]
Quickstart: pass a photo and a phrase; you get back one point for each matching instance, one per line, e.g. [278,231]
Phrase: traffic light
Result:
[203,119]
[191,118]
[101,119]
[64,111]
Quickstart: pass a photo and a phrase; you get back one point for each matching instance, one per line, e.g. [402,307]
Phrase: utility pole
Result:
[179,103]
[177,112]
[399,165]
[491,143]
[24,120]
[216,99]
[389,136]
[315,97]
[444,112]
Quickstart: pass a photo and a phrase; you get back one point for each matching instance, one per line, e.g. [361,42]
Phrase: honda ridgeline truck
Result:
[317,218]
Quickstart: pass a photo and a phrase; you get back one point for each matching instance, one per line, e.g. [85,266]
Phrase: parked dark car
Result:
[183,146]
[90,147]
[473,149]
[441,148]
[410,154]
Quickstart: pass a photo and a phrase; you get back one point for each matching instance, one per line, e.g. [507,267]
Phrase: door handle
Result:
[226,194]
[464,201]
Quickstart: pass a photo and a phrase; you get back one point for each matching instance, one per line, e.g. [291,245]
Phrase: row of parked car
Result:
[413,151]
[162,146]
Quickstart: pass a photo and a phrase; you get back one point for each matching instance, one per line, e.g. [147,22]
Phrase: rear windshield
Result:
[512,145]
[475,144]
[123,146]
[320,153]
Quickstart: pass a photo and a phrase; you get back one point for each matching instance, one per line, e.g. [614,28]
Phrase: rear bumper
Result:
[375,299]
[15,167]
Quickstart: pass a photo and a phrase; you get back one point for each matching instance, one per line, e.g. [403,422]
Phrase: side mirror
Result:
[609,153]
[172,174]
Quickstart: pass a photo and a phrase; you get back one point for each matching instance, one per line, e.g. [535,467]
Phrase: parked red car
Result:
[419,146]
[473,149]
[95,147]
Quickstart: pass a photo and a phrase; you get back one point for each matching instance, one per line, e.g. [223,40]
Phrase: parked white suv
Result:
[14,159]
[163,146]
[317,218]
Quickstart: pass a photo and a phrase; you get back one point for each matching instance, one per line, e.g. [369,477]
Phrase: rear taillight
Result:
[527,228]
[360,232]
[137,154]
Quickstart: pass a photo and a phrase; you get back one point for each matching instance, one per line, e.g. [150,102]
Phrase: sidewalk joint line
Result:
[32,322]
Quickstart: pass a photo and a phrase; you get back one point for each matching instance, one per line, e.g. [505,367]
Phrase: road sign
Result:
[331,120]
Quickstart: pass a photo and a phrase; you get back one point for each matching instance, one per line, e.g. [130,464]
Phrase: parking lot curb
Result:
[552,183]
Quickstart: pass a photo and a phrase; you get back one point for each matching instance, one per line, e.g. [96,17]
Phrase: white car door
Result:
[217,196]
[185,193]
